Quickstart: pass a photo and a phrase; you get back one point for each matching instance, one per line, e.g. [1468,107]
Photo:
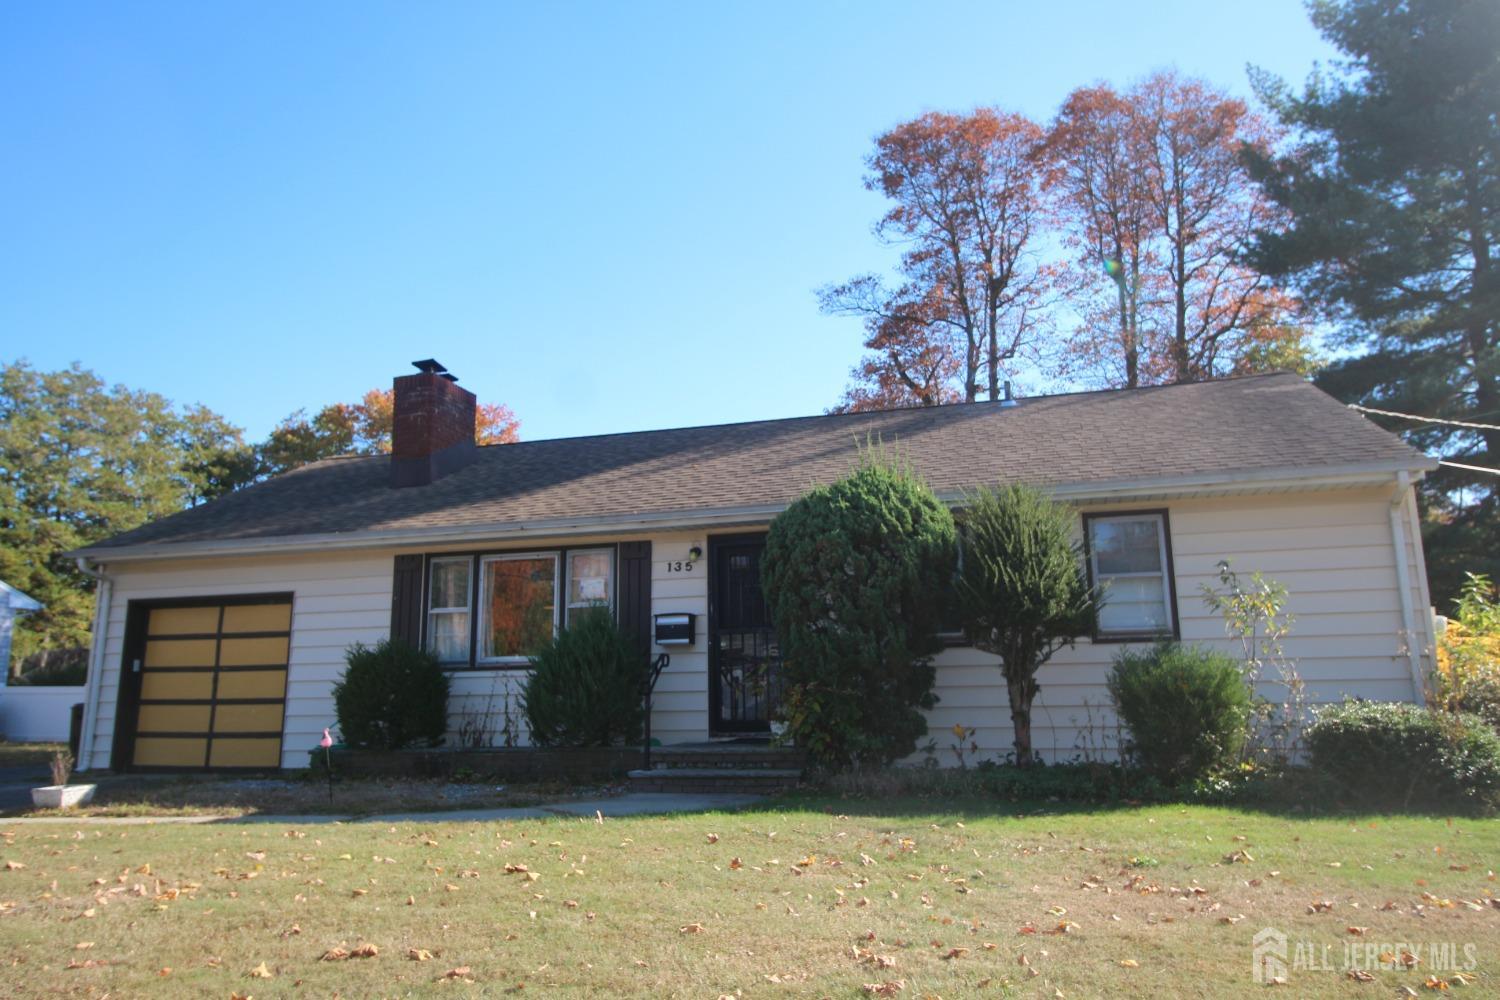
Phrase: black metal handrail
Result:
[653,673]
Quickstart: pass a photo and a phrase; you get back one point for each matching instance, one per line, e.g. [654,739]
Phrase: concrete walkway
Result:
[629,804]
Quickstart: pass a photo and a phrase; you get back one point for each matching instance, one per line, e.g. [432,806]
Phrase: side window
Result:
[590,580]
[1129,562]
[449,595]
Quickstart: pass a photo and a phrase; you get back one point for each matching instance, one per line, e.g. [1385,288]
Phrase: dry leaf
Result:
[365,951]
[419,954]
[260,972]
[888,989]
[334,955]
[1360,976]
[1130,963]
[713,838]
[690,929]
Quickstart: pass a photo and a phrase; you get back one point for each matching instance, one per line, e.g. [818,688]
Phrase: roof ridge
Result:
[936,408]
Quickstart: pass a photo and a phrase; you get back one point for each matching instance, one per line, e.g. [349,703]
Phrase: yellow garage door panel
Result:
[184,621]
[173,719]
[245,753]
[165,654]
[246,719]
[200,655]
[252,684]
[258,618]
[252,652]
[163,751]
[158,684]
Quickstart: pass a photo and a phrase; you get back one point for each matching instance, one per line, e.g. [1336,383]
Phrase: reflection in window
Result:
[520,606]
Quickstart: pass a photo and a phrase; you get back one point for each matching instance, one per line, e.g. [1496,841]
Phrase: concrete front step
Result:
[739,759]
[714,779]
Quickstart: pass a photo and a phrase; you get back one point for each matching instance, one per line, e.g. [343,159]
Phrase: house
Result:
[222,629]
[13,604]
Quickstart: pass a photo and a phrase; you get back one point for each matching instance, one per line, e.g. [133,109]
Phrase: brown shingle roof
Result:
[1228,426]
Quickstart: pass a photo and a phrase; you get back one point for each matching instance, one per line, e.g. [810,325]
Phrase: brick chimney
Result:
[432,432]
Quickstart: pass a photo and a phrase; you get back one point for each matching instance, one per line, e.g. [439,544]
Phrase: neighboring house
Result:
[223,628]
[13,603]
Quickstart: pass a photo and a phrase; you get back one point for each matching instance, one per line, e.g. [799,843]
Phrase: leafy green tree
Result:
[79,461]
[1022,594]
[854,574]
[1394,194]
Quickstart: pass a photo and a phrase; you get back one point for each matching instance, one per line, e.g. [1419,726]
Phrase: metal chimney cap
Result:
[428,366]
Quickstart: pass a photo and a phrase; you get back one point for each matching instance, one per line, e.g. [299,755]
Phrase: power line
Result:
[1470,468]
[1425,420]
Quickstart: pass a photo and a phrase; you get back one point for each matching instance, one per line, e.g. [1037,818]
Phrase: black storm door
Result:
[744,683]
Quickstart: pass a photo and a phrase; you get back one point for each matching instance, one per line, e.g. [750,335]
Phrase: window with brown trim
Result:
[1130,561]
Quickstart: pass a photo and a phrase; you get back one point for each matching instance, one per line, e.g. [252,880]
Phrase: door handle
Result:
[135,666]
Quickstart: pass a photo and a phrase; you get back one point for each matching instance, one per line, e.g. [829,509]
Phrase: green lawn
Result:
[28,754]
[800,898]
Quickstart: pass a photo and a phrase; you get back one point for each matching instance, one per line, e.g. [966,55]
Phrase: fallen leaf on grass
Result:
[713,838]
[463,972]
[419,954]
[888,989]
[260,972]
[1356,931]
[735,864]
[1129,963]
[13,866]
[1360,976]
[690,929]
[334,955]
[1434,983]
[1320,906]
[365,951]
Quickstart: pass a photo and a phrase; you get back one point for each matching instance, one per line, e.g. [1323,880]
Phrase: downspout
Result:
[96,664]
[1403,584]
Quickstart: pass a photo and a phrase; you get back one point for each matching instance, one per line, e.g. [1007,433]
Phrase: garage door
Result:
[212,686]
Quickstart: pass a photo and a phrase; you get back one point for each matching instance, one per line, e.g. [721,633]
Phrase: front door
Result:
[744,685]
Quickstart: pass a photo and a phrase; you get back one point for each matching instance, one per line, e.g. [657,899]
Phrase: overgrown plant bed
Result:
[306,794]
[509,764]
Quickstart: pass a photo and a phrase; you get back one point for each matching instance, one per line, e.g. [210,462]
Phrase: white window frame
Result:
[558,583]
[567,582]
[466,609]
[1168,583]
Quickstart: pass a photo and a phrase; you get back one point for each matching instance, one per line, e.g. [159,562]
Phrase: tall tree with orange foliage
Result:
[1159,210]
[966,208]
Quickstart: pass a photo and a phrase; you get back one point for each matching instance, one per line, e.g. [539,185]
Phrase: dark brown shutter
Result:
[406,600]
[635,592]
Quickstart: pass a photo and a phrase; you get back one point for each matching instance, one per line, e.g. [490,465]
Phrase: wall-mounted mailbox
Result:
[676,630]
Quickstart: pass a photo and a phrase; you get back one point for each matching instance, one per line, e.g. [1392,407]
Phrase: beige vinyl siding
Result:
[1333,551]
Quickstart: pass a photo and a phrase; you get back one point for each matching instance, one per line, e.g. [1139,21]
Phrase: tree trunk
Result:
[1021,691]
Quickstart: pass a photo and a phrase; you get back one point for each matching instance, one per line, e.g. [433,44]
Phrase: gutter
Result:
[1397,512]
[102,594]
[1367,474]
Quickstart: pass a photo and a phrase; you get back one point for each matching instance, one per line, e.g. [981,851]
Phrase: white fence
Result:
[37,714]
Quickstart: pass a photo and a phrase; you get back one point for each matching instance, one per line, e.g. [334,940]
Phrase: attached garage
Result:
[204,685]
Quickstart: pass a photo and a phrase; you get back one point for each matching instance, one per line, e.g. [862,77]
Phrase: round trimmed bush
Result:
[1402,756]
[1186,708]
[854,576]
[392,695]
[585,686]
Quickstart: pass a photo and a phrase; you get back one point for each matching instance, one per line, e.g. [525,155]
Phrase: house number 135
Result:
[679,566]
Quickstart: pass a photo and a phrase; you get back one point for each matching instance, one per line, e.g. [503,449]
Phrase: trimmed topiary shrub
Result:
[392,695]
[1402,756]
[854,575]
[1022,593]
[1186,709]
[585,686]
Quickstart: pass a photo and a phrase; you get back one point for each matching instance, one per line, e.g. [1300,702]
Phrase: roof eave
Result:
[1258,480]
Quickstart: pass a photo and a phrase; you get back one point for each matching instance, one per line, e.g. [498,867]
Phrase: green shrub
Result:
[585,686]
[1186,709]
[1406,756]
[392,695]
[854,575]
[54,668]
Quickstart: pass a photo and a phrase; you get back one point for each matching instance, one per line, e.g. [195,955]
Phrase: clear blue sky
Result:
[608,216]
